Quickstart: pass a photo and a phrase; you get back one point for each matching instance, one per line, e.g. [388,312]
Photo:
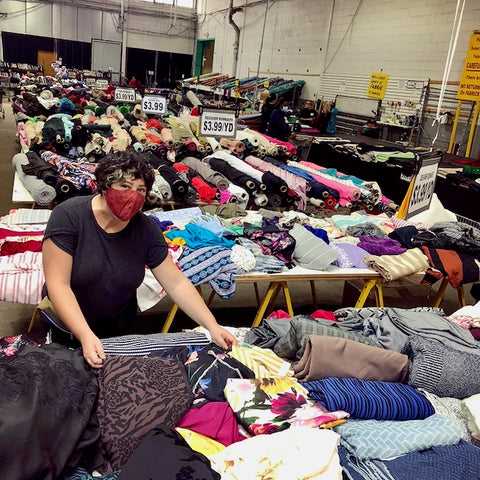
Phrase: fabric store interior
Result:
[312,168]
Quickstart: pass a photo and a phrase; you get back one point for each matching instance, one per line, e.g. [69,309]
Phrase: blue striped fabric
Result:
[366,399]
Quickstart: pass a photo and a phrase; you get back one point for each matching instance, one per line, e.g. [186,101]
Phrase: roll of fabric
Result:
[235,176]
[162,188]
[274,200]
[41,193]
[206,193]
[234,145]
[240,193]
[207,173]
[274,183]
[242,166]
[297,184]
[167,137]
[178,186]
[250,137]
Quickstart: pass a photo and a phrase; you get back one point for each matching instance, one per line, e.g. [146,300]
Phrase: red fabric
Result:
[180,167]
[325,314]
[214,420]
[153,138]
[194,112]
[5,232]
[153,123]
[206,193]
[9,248]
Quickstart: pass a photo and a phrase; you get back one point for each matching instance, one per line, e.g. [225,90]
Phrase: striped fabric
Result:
[384,439]
[144,345]
[367,399]
[261,361]
[21,278]
[393,267]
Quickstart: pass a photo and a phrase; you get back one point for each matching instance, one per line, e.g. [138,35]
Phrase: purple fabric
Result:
[381,246]
[350,256]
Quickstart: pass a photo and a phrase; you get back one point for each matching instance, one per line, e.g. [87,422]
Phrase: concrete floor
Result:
[240,310]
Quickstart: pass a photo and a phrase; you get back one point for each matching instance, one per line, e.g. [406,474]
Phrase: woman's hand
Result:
[92,349]
[222,337]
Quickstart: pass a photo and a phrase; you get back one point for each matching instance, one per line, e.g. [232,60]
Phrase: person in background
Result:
[134,82]
[95,250]
[267,109]
[308,114]
[278,126]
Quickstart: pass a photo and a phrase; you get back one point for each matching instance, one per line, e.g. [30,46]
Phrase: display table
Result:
[19,193]
[279,282]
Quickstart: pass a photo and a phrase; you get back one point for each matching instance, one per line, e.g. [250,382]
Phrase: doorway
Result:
[204,56]
[45,59]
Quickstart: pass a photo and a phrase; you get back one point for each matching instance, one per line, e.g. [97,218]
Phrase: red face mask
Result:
[124,204]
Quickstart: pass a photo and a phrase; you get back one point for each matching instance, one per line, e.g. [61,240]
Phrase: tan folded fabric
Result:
[393,267]
[338,357]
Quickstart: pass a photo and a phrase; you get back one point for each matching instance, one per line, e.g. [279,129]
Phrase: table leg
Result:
[171,315]
[379,293]
[265,302]
[461,296]
[288,299]
[439,296]
[314,294]
[367,287]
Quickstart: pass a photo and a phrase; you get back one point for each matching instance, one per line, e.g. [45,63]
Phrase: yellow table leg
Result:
[257,296]
[265,302]
[171,315]
[461,296]
[288,298]
[379,293]
[367,287]
[439,296]
[32,320]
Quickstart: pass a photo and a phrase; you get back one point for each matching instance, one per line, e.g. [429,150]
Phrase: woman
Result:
[278,126]
[94,254]
[267,109]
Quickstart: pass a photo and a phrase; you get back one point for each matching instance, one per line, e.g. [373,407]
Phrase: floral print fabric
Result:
[269,405]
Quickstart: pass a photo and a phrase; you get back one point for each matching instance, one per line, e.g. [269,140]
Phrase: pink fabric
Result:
[6,232]
[214,420]
[294,182]
[347,192]
[279,314]
[290,148]
[225,196]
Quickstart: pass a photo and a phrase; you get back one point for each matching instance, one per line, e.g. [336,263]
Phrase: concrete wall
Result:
[148,26]
[308,38]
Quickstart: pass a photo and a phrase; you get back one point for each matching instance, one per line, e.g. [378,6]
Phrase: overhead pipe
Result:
[231,12]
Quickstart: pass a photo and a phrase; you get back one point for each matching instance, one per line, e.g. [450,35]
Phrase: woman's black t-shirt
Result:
[107,267]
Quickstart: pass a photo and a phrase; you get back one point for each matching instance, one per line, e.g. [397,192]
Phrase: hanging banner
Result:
[469,88]
[378,85]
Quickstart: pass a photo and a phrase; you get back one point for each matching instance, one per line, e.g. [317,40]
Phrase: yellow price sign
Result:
[237,83]
[266,83]
[236,94]
[378,85]
[469,87]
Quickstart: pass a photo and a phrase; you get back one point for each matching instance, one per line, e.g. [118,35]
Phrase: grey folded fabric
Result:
[310,251]
[206,172]
[42,193]
[393,267]
[337,357]
[398,324]
[442,370]
[292,345]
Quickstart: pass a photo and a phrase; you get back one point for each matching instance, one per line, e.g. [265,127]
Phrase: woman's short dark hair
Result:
[114,167]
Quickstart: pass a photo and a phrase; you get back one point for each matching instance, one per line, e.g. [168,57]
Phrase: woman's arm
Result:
[186,296]
[57,267]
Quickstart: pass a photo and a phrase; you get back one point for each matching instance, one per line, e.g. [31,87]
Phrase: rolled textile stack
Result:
[41,193]
[210,175]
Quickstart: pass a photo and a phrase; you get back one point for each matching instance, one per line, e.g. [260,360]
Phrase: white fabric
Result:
[471,410]
[436,213]
[470,310]
[293,454]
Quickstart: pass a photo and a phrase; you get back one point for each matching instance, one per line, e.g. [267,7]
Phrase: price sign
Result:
[218,123]
[423,187]
[266,83]
[101,84]
[155,104]
[90,82]
[124,94]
